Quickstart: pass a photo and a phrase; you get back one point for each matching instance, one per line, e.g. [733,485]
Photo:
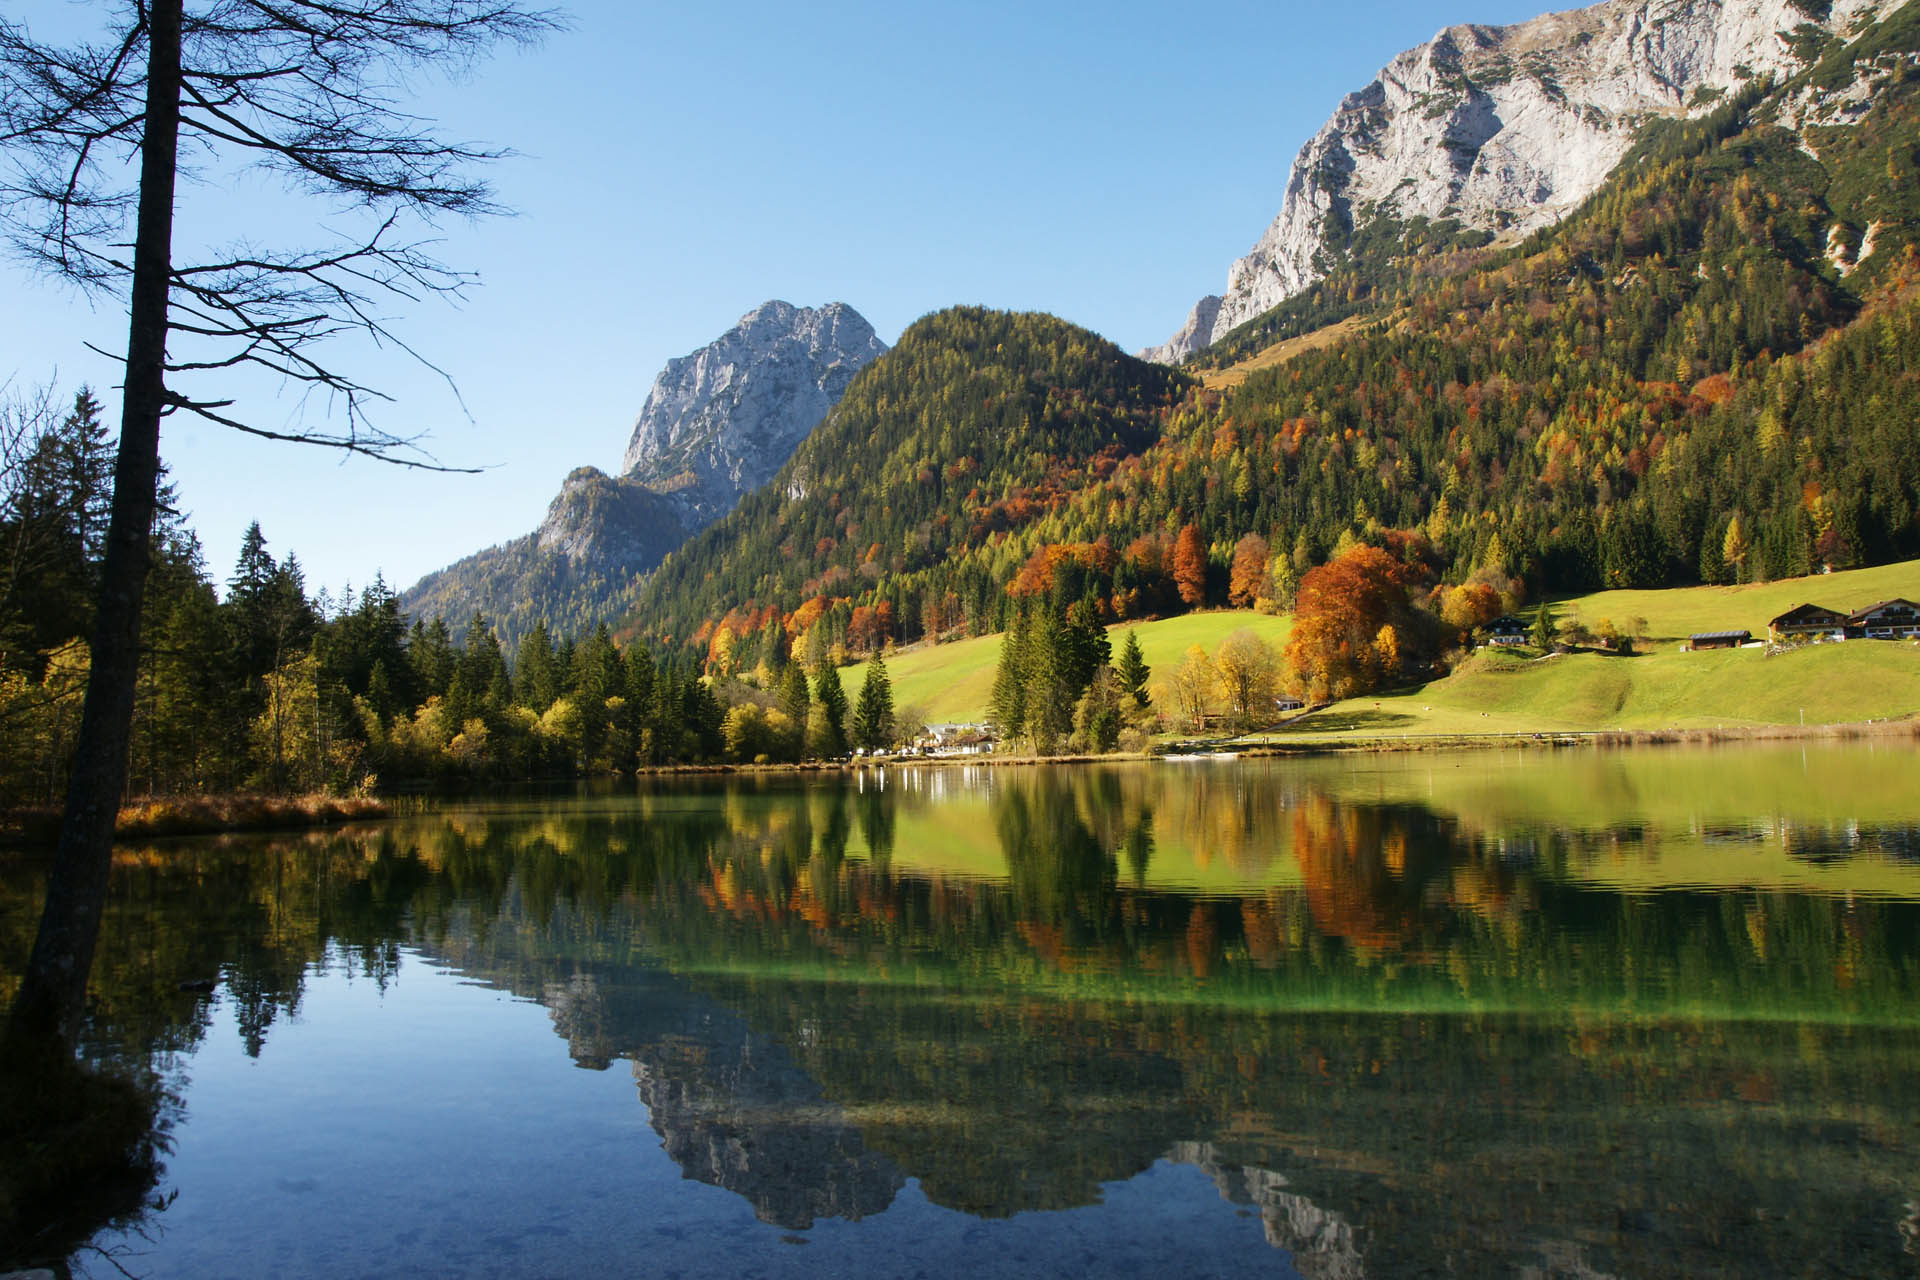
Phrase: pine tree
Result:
[1134,671]
[873,713]
[827,722]
[793,693]
[1009,701]
[535,682]
[1544,627]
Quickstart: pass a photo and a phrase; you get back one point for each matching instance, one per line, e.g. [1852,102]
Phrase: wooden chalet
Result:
[1806,621]
[1888,620]
[1718,639]
[1505,630]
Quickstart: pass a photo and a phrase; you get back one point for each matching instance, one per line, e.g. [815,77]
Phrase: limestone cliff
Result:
[1508,129]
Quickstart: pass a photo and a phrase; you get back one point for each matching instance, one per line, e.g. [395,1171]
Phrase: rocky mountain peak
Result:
[1508,129]
[721,420]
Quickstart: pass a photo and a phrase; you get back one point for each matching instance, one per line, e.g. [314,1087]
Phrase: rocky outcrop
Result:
[719,422]
[1507,129]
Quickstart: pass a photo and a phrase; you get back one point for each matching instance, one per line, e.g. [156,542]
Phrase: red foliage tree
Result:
[1247,580]
[1342,608]
[1190,566]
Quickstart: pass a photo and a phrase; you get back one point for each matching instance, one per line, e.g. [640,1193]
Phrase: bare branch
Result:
[312,89]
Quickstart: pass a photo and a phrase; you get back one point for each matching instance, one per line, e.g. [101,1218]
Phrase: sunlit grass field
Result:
[954,682]
[1664,687]
[1667,687]
[1674,614]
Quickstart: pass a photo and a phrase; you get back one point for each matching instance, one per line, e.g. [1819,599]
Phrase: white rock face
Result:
[719,422]
[1507,129]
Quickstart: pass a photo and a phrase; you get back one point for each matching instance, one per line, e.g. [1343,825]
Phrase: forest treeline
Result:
[258,685]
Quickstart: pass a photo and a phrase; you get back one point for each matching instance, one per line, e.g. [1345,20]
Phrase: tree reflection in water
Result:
[1406,1035]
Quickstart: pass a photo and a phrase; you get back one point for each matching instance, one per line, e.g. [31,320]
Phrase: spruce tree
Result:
[873,714]
[1544,627]
[534,681]
[793,694]
[1134,671]
[831,700]
[1009,702]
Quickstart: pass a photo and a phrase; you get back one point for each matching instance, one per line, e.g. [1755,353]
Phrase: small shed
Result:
[1807,620]
[1888,620]
[1505,630]
[1718,639]
[1288,704]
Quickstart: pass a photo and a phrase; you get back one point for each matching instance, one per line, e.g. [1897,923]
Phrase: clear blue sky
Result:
[680,164]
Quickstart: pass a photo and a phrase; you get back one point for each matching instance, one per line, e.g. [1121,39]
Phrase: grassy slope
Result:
[1674,615]
[1515,693]
[954,682]
[1667,687]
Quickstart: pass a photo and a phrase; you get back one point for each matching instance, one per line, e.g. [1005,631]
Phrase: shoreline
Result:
[28,829]
[1903,727]
[205,815]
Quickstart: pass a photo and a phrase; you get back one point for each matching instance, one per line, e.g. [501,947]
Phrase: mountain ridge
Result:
[1505,130]
[717,423]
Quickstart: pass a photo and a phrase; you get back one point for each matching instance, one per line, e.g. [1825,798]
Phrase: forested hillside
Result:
[1709,373]
[976,424]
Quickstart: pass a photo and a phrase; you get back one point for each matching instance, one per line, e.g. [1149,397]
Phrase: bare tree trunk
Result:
[53,990]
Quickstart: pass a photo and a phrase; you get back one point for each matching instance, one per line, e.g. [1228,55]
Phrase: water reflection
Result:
[1409,1015]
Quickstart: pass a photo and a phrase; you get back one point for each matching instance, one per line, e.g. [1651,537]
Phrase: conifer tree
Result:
[535,682]
[1133,670]
[1009,700]
[827,723]
[1544,627]
[873,713]
[794,699]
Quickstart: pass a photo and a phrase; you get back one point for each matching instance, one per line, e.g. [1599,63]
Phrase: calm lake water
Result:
[1544,1013]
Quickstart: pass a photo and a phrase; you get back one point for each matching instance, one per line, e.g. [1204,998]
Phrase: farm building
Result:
[1718,639]
[1505,630]
[1888,620]
[1805,621]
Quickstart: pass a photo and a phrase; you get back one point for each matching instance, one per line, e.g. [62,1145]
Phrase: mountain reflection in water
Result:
[1412,1014]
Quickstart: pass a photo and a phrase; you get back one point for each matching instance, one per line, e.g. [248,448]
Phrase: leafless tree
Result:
[97,141]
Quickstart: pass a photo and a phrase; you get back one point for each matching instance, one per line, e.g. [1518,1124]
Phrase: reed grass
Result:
[192,815]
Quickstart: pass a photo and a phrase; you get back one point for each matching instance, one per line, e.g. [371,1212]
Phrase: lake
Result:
[1554,1013]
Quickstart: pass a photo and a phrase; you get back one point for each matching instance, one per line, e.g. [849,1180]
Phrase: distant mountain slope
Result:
[974,424]
[1504,130]
[717,424]
[599,534]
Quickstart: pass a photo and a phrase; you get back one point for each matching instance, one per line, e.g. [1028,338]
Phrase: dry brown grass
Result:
[197,815]
[193,815]
[1279,353]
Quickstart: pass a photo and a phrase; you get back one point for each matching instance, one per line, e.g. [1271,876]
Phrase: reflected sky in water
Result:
[1566,1013]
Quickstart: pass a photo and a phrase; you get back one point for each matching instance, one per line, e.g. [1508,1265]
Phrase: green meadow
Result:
[1523,691]
[1665,687]
[1676,613]
[954,682]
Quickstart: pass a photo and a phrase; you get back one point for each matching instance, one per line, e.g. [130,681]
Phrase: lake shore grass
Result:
[195,815]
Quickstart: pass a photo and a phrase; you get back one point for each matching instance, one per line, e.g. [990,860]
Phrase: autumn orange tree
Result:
[1190,566]
[1355,624]
[1247,580]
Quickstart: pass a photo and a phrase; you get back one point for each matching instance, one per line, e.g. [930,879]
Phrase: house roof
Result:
[1807,613]
[1720,635]
[1859,615]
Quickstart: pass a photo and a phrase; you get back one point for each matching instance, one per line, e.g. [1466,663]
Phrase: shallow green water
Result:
[1625,1013]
